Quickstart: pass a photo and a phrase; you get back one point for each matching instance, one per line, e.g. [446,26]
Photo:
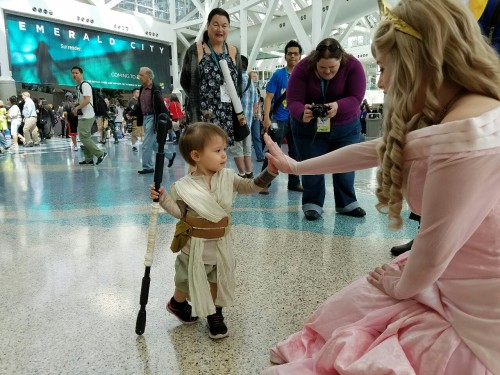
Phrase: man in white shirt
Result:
[86,117]
[29,113]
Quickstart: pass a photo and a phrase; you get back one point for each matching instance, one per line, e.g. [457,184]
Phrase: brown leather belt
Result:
[203,228]
[208,234]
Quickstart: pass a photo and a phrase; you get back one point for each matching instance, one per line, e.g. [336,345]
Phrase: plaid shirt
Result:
[249,98]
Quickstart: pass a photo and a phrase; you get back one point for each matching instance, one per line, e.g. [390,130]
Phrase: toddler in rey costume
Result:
[202,200]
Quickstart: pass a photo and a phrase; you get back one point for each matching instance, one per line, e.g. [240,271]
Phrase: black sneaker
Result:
[91,162]
[264,191]
[357,212]
[216,325]
[101,158]
[312,215]
[183,314]
[298,187]
[134,148]
[171,161]
[398,250]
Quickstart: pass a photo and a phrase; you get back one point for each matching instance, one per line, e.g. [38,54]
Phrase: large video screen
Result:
[43,52]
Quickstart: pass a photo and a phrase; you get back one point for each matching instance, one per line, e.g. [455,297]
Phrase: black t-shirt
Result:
[68,108]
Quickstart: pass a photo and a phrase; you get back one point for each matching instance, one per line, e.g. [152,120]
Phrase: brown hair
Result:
[328,48]
[196,137]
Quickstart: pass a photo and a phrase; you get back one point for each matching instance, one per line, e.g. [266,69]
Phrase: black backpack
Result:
[99,104]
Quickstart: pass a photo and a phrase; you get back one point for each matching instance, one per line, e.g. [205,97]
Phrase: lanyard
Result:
[214,56]
[324,88]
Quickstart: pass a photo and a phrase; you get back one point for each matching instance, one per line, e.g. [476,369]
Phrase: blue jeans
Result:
[150,145]
[310,144]
[280,133]
[256,141]
[3,141]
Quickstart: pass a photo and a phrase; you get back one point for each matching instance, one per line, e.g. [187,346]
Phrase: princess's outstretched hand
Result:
[281,161]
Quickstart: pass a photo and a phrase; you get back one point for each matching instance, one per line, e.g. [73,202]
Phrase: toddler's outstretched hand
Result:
[271,167]
[278,159]
[153,194]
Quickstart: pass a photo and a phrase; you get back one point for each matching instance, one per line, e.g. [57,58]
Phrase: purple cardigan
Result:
[347,88]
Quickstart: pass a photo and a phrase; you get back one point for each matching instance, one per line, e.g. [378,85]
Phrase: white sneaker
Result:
[75,148]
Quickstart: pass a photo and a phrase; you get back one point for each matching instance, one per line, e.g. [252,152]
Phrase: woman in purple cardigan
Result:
[323,96]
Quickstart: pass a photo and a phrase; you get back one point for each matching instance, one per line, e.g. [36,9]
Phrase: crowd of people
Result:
[32,121]
[434,309]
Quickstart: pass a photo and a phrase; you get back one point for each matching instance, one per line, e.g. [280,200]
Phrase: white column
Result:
[317,12]
[7,83]
[175,60]
[243,29]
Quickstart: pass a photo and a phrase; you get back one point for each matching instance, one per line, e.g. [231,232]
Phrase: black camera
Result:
[319,110]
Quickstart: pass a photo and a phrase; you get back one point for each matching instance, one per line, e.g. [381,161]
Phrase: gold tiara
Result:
[399,24]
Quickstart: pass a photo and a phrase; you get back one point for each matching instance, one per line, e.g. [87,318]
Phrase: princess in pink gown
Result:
[436,309]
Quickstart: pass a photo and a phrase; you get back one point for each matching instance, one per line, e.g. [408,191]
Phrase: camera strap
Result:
[278,102]
[324,88]
[323,124]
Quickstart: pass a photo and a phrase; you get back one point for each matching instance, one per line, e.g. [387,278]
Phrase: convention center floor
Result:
[73,240]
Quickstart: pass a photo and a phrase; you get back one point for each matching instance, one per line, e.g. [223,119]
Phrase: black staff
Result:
[164,123]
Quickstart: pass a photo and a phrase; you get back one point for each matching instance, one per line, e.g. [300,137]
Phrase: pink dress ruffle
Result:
[361,330]
[445,317]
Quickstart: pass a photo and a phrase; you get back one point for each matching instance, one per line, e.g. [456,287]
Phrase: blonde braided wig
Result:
[451,48]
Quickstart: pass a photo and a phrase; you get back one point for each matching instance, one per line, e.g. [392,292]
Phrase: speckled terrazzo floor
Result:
[72,245]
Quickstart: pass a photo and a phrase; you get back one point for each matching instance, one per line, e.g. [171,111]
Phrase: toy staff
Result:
[161,137]
[238,109]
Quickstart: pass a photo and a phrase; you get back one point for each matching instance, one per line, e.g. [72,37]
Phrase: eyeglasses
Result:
[217,26]
[329,47]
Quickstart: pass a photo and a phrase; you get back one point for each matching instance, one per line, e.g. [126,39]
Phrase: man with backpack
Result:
[86,117]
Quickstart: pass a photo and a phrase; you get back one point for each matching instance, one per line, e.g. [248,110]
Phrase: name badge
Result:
[224,95]
[323,125]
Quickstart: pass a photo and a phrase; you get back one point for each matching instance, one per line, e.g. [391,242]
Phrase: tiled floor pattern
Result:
[72,244]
